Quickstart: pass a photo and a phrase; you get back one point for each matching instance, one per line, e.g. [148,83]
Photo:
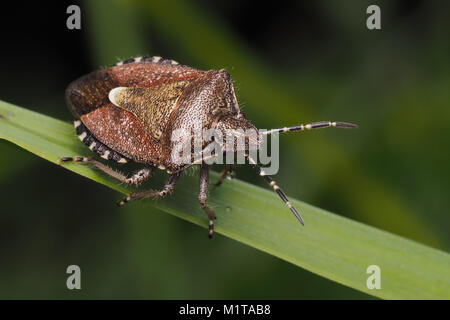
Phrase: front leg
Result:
[226,173]
[203,196]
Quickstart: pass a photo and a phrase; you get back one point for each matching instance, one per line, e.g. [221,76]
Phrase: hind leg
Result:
[106,153]
[135,179]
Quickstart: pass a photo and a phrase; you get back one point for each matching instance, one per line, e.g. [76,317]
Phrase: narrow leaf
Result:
[329,245]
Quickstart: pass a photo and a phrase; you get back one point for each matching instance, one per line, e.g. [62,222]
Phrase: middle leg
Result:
[167,189]
[203,196]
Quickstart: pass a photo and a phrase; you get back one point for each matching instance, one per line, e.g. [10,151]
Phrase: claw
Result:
[211,229]
[122,202]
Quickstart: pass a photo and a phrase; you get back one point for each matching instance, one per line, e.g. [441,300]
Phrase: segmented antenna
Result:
[276,188]
[314,125]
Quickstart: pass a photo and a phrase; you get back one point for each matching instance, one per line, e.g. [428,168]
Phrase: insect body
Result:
[130,112]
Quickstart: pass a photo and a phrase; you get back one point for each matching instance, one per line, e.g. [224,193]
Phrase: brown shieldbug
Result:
[129,112]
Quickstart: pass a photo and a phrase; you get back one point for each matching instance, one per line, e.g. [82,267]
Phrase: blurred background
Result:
[292,62]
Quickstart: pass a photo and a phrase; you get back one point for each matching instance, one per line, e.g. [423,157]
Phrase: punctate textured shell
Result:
[133,107]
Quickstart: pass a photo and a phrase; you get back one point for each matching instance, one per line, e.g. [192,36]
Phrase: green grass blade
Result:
[334,247]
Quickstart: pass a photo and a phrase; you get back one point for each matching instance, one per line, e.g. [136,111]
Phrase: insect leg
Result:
[167,189]
[135,179]
[224,174]
[275,187]
[203,196]
[314,125]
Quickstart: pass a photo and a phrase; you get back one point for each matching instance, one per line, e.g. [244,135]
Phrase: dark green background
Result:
[292,62]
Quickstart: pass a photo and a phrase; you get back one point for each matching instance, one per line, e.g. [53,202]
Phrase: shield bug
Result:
[130,112]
